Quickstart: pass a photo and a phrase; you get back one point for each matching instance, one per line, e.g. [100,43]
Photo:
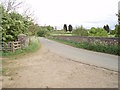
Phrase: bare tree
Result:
[27,12]
[11,5]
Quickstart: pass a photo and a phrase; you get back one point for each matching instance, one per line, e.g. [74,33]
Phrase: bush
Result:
[80,31]
[43,32]
[49,28]
[117,31]
[97,32]
[12,25]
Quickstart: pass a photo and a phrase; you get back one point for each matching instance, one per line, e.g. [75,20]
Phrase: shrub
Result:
[97,32]
[80,31]
[43,32]
[49,28]
[117,31]
[12,25]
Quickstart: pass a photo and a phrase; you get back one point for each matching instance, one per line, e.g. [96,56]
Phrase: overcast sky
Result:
[89,13]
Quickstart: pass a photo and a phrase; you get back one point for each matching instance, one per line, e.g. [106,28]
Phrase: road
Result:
[106,61]
[54,66]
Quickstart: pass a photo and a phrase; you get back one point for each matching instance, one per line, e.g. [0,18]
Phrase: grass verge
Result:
[34,46]
[110,49]
[10,56]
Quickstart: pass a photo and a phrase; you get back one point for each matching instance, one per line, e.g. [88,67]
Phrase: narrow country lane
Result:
[50,67]
[85,56]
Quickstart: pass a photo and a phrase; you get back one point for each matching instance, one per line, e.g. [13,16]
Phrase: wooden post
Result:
[29,40]
[13,50]
[20,44]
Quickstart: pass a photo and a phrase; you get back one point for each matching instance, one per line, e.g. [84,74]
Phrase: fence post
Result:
[13,50]
[20,44]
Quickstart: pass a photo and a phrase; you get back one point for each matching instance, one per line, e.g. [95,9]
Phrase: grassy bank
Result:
[10,56]
[34,46]
[110,49]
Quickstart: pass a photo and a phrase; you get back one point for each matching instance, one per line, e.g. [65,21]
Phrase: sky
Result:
[89,13]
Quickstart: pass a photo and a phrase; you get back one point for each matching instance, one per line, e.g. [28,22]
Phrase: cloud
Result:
[76,12]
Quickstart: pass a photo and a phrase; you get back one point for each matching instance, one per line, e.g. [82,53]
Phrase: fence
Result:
[11,46]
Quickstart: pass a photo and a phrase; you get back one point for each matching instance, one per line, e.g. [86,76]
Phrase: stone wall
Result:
[24,40]
[104,40]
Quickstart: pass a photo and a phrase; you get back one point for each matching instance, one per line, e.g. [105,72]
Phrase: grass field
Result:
[60,33]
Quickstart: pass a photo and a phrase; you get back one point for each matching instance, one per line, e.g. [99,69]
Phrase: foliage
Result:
[65,27]
[70,28]
[118,15]
[49,28]
[33,29]
[110,49]
[117,31]
[13,24]
[80,31]
[11,5]
[43,32]
[97,32]
[112,32]
[107,28]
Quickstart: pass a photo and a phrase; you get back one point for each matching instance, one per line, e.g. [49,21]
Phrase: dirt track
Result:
[45,69]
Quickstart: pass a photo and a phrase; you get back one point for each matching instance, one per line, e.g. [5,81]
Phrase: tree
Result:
[49,28]
[97,32]
[118,18]
[65,27]
[33,29]
[12,25]
[107,28]
[28,13]
[11,5]
[117,31]
[70,28]
[43,32]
